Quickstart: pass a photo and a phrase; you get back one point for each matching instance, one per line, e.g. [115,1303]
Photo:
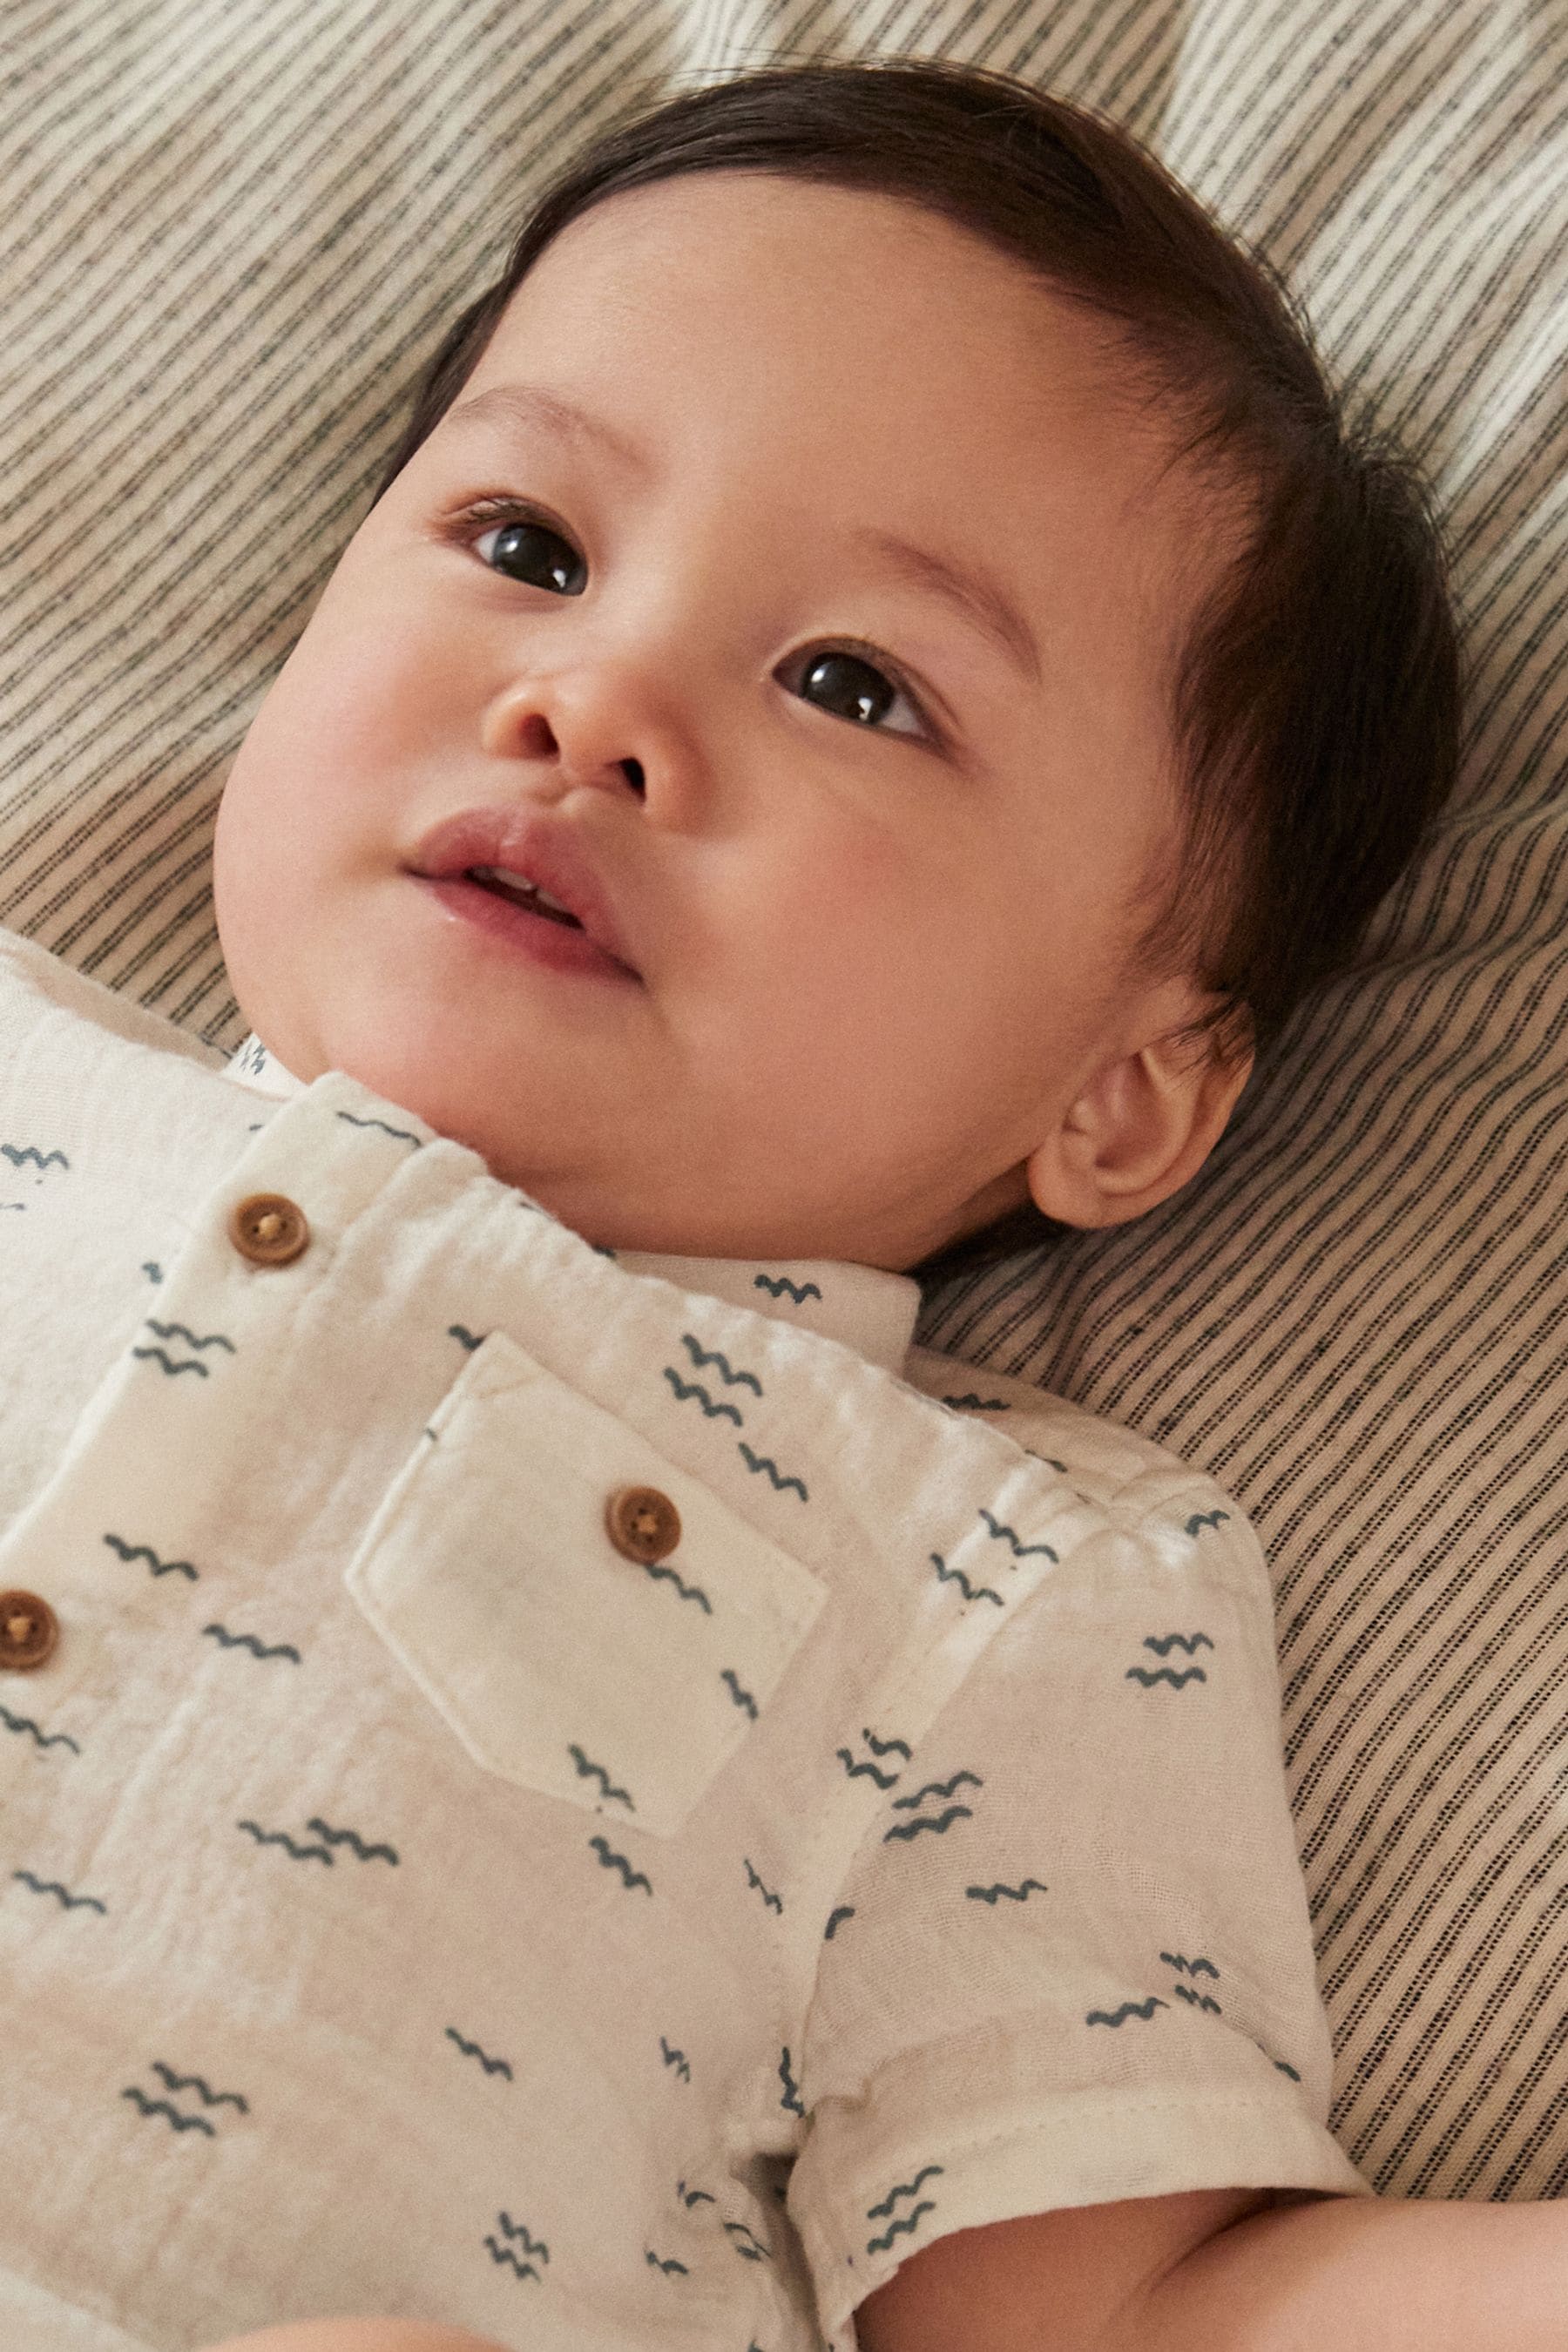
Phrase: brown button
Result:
[28,1631]
[644,1524]
[270,1230]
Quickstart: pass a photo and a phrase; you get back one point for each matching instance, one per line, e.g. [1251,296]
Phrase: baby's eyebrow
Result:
[530,405]
[978,597]
[972,594]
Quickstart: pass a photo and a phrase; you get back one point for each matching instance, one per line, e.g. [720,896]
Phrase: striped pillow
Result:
[236,236]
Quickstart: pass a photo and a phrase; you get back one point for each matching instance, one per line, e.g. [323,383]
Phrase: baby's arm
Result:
[1209,2271]
[1225,2271]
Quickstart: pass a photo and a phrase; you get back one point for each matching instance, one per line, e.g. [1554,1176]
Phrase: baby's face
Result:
[871,852]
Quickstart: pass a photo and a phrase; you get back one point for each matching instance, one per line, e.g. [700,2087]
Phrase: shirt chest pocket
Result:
[502,1570]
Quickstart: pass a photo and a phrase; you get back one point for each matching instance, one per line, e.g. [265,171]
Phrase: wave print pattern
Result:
[499,2254]
[684,1389]
[471,2050]
[168,1363]
[940,1827]
[28,1155]
[771,1901]
[172,1365]
[775,1286]
[248,1642]
[587,1770]
[904,2188]
[163,2108]
[23,1723]
[940,1789]
[208,2096]
[1021,1551]
[610,1860]
[945,1575]
[402,1134]
[910,2223]
[658,1568]
[281,1837]
[701,1356]
[755,1462]
[518,2232]
[183,1331]
[743,1698]
[677,2060]
[129,1551]
[1141,2009]
[353,1840]
[68,1902]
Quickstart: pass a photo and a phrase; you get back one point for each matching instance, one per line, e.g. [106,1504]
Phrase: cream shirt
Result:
[411,1902]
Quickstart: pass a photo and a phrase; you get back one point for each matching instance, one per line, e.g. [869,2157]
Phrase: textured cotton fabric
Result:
[232,237]
[416,1905]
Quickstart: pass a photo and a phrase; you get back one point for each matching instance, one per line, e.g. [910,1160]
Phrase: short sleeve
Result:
[1072,1959]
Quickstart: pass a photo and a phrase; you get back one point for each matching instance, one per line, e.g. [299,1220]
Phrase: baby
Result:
[573,1787]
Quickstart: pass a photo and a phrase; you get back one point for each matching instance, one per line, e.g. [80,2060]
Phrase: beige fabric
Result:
[235,235]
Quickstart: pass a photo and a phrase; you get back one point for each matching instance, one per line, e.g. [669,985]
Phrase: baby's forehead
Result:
[689,317]
[853,284]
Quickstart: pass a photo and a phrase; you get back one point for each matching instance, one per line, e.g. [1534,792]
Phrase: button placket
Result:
[130,1525]
[123,1530]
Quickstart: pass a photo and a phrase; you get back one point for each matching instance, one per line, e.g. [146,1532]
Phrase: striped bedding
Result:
[231,236]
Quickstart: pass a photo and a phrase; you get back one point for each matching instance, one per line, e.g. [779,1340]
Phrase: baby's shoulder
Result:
[1135,1482]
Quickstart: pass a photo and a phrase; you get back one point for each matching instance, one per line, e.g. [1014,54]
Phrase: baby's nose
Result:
[579,736]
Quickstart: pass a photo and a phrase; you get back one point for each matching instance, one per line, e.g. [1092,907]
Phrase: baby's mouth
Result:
[521,857]
[521,892]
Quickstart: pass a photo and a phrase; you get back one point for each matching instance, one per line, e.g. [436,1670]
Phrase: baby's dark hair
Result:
[1315,705]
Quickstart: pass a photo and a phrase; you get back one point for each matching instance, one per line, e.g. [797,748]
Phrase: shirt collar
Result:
[862,1306]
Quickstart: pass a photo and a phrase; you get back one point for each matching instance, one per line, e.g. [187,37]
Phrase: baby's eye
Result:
[532,552]
[523,547]
[841,683]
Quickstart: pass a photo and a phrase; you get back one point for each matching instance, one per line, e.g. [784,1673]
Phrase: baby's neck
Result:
[861,1307]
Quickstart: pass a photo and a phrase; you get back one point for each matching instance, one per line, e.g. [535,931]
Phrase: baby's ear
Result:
[1144,1123]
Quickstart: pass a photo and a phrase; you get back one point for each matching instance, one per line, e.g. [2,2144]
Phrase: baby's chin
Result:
[611,1208]
[434,1090]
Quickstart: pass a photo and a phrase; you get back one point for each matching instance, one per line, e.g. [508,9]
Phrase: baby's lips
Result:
[547,851]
